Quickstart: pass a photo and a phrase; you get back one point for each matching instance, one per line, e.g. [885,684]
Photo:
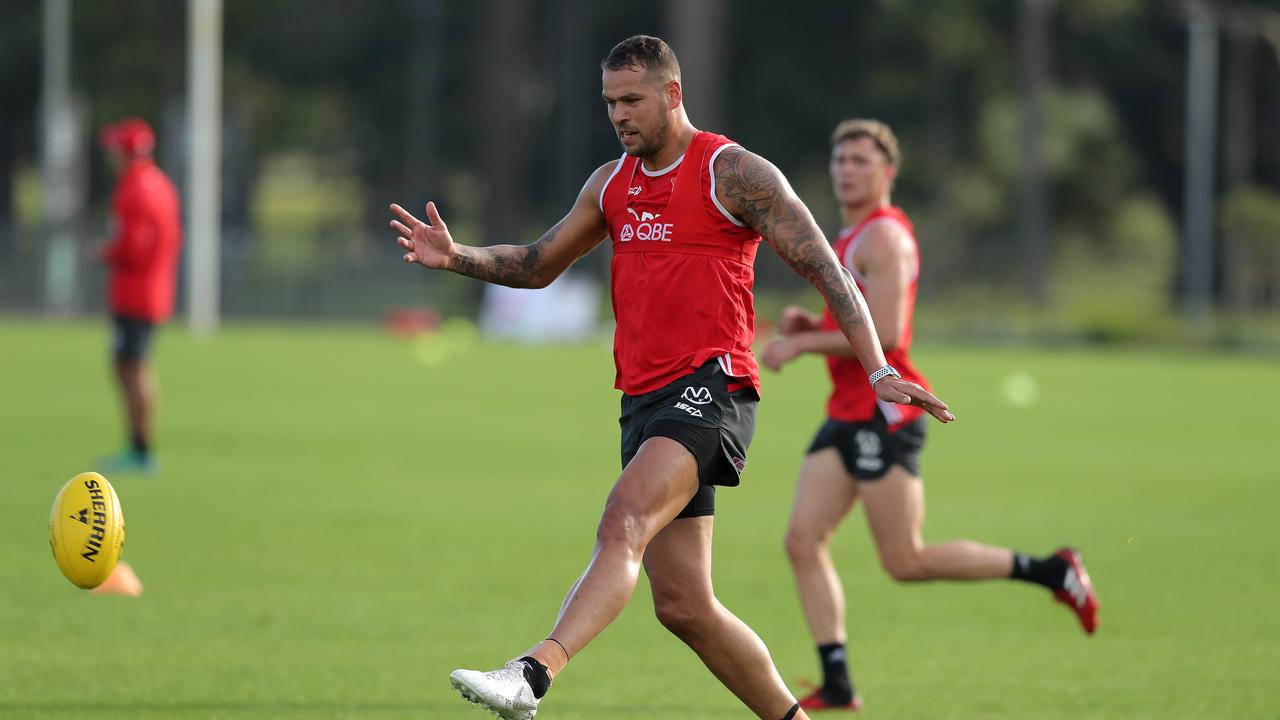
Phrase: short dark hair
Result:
[647,52]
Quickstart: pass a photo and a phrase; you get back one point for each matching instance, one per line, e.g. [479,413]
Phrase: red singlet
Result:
[852,399]
[681,274]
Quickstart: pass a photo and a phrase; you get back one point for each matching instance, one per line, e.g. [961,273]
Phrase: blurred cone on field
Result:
[122,581]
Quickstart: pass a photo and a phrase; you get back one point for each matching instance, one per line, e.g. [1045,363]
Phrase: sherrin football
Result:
[86,530]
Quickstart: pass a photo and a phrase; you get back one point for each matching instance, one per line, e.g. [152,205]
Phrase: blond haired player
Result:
[870,449]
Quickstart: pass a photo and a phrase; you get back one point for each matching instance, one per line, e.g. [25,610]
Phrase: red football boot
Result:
[1077,592]
[815,701]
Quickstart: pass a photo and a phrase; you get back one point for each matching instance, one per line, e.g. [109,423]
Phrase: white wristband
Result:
[882,373]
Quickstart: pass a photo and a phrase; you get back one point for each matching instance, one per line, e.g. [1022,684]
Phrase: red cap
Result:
[130,135]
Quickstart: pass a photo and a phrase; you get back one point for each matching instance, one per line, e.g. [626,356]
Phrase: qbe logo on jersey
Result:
[645,228]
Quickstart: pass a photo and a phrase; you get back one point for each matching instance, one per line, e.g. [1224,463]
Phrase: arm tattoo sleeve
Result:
[764,200]
[511,265]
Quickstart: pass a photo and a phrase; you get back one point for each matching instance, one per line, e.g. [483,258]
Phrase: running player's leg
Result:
[678,563]
[895,514]
[825,493]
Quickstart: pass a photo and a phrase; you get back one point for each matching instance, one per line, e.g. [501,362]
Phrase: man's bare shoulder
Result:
[884,241]
[595,183]
[752,189]
[736,159]
[606,169]
[886,234]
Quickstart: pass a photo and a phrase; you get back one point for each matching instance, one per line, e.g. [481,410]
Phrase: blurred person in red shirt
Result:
[142,261]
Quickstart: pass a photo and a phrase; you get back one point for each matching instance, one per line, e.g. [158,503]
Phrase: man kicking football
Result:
[685,211]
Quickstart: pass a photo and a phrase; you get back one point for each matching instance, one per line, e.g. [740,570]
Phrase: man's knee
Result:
[804,545]
[621,525]
[683,615]
[905,567]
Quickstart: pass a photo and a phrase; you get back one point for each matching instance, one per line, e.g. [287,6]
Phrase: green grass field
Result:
[338,524]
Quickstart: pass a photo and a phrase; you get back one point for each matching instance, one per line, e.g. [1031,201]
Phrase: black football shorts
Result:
[868,449]
[130,338]
[699,412]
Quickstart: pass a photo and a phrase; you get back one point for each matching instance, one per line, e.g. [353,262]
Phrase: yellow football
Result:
[86,529]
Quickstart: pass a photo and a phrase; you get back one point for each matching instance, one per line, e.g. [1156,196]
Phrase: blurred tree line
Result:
[333,109]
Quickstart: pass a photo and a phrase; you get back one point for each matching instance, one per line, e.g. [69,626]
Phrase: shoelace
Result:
[512,671]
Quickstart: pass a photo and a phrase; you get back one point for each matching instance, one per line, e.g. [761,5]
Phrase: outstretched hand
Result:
[897,390]
[428,243]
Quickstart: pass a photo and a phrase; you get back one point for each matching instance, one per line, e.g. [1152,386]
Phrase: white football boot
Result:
[505,692]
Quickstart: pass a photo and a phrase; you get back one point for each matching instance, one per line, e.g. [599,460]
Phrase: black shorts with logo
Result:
[868,449]
[699,412]
[130,338]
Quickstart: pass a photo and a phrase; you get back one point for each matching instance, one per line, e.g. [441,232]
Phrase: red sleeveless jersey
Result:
[852,399]
[681,274]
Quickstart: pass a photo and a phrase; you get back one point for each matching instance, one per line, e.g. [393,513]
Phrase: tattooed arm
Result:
[525,266]
[886,261]
[754,191]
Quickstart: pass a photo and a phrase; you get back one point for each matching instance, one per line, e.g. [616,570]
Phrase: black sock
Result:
[792,712]
[837,686]
[1049,572]
[140,445]
[535,673]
